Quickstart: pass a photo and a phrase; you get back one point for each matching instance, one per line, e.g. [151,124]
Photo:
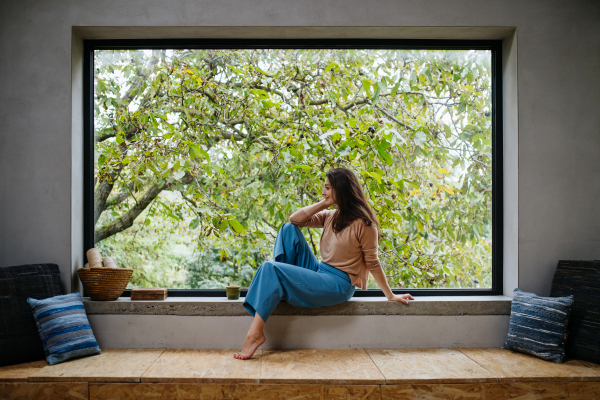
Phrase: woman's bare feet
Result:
[252,342]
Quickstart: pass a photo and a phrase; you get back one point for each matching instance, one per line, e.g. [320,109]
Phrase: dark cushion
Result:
[582,280]
[538,325]
[19,339]
[64,328]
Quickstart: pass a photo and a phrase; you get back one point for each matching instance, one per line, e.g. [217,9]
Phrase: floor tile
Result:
[526,391]
[203,366]
[510,366]
[433,392]
[113,365]
[20,372]
[319,366]
[44,390]
[405,366]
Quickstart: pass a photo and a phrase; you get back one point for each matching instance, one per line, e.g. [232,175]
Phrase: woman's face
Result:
[328,191]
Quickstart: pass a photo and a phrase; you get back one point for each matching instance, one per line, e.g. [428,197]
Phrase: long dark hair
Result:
[350,198]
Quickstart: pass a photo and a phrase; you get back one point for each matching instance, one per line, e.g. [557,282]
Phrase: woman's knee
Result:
[288,227]
[267,265]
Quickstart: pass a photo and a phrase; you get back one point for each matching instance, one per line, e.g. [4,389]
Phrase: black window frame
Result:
[495,46]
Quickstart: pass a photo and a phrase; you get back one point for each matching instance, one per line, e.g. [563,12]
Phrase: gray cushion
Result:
[538,325]
[19,339]
[582,280]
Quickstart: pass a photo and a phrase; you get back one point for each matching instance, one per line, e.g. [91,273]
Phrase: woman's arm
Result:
[310,210]
[381,280]
[370,245]
[302,217]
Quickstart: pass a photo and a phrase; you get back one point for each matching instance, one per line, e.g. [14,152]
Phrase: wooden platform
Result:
[489,373]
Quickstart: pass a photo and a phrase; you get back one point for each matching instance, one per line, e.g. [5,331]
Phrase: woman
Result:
[348,250]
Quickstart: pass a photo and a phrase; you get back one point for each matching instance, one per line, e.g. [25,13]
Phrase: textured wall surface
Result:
[301,332]
[554,139]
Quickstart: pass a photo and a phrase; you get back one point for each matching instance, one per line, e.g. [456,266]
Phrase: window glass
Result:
[201,155]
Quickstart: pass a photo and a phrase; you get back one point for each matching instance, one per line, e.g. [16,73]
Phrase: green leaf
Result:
[376,176]
[335,66]
[375,97]
[261,94]
[237,226]
[411,183]
[203,153]
[234,69]
[147,222]
[385,155]
[194,151]
[448,131]
[420,138]
[412,258]
[395,89]
[367,85]
[224,225]
[327,134]
[194,223]
[344,151]
[304,167]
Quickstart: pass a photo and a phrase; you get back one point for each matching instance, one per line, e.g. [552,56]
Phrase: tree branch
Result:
[101,195]
[396,120]
[127,220]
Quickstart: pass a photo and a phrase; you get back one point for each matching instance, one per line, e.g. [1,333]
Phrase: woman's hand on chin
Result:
[402,298]
[328,202]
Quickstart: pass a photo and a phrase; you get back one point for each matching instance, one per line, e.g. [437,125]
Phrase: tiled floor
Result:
[304,374]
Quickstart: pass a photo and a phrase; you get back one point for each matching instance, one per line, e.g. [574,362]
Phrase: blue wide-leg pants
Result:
[296,276]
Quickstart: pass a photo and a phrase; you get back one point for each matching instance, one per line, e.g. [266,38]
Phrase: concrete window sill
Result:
[220,306]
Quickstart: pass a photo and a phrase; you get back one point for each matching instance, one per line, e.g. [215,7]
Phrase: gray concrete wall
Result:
[301,332]
[552,147]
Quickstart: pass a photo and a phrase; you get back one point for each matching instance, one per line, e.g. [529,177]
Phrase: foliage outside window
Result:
[201,155]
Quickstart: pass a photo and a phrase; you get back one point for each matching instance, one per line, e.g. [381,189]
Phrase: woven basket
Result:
[104,283]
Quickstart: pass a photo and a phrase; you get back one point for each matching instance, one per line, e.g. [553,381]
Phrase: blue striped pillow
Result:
[63,327]
[538,325]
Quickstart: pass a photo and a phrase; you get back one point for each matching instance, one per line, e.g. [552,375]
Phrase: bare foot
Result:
[250,345]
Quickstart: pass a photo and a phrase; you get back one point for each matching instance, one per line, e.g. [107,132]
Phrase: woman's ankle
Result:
[255,334]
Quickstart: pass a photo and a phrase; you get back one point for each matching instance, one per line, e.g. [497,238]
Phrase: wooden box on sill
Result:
[149,294]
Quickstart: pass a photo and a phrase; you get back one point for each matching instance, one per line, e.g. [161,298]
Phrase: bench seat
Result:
[470,373]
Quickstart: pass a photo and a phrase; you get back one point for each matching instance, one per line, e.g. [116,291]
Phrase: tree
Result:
[242,138]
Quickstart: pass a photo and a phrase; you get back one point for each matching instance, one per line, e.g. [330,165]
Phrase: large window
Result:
[199,151]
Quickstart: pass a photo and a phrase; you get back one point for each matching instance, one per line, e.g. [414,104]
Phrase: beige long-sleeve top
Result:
[353,250]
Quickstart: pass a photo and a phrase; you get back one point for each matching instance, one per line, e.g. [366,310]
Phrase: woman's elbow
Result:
[295,220]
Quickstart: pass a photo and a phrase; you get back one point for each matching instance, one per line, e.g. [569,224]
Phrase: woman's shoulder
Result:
[328,213]
[362,227]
